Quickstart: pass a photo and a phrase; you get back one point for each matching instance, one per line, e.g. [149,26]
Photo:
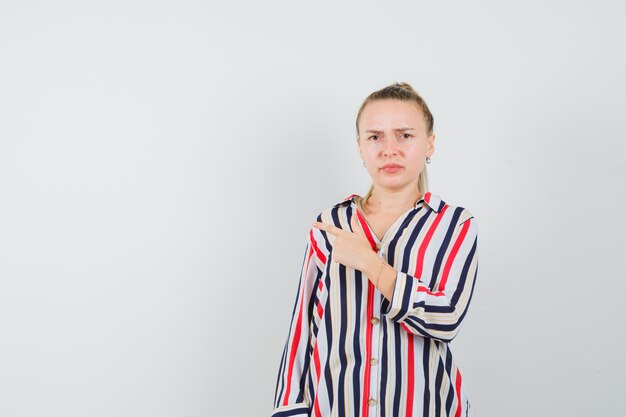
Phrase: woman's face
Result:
[394,132]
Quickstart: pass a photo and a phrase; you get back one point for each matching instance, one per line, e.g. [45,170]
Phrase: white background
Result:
[161,162]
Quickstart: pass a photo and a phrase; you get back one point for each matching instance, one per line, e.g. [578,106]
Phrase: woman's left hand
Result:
[351,249]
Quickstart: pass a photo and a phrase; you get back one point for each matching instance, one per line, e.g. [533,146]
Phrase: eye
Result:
[373,136]
[407,135]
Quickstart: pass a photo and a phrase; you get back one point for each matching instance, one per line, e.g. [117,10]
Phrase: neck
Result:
[386,201]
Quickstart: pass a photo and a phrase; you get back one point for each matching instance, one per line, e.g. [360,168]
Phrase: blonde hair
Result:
[400,91]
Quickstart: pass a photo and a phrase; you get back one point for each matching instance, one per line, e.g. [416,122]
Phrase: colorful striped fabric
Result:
[352,352]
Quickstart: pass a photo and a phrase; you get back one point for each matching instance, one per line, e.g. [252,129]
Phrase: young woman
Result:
[385,283]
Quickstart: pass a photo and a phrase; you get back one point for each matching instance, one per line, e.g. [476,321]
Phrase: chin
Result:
[393,182]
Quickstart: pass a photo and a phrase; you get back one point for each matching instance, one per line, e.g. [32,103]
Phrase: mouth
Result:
[391,168]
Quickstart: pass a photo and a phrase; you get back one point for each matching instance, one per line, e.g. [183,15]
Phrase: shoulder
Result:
[332,213]
[438,206]
[338,215]
[455,212]
[460,216]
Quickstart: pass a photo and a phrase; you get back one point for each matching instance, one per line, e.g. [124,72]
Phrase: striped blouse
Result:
[352,352]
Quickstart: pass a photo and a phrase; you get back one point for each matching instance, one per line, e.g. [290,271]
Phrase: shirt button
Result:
[375,320]
[372,401]
[377,247]
[373,361]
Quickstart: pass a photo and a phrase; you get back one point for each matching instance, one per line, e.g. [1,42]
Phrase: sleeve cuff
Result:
[294,410]
[403,291]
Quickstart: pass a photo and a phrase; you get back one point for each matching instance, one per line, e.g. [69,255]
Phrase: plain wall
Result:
[161,162]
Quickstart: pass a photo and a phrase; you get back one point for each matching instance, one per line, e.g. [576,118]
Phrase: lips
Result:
[391,168]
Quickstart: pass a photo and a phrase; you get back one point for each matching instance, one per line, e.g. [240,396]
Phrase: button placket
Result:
[375,341]
[374,359]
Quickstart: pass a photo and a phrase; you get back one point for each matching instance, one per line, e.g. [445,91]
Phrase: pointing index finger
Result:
[328,227]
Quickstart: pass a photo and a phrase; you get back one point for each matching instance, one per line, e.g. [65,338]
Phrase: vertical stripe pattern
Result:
[352,352]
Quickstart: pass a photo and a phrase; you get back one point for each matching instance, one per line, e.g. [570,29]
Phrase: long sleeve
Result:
[291,397]
[438,312]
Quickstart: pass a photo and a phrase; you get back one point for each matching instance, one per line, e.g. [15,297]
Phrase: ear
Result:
[430,145]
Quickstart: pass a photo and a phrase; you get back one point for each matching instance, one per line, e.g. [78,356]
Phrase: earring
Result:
[363,163]
[427,160]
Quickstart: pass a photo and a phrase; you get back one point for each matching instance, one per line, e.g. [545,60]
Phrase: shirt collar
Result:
[431,199]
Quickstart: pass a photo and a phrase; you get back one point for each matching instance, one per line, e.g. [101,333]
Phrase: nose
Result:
[389,146]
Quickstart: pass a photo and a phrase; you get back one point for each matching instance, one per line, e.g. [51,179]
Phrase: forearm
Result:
[387,280]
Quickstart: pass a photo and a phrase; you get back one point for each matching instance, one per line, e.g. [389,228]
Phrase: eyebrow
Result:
[400,129]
